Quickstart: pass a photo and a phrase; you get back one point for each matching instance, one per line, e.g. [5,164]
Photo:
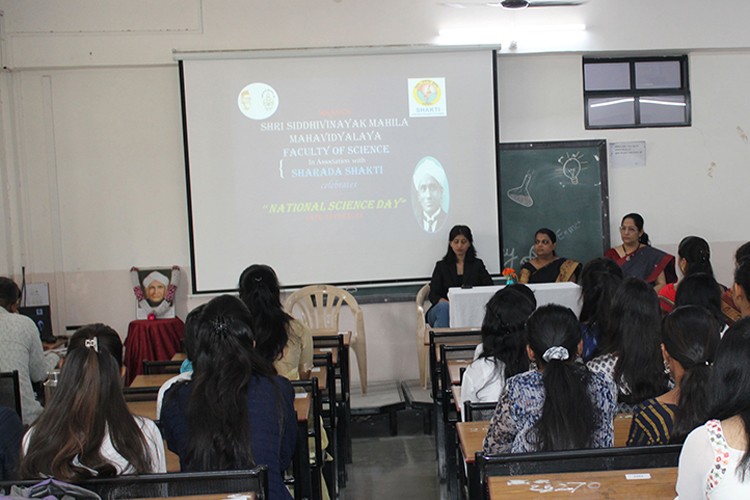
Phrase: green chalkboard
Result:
[558,185]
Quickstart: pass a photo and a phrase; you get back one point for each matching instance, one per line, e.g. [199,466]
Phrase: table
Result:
[454,369]
[471,440]
[620,484]
[152,340]
[467,304]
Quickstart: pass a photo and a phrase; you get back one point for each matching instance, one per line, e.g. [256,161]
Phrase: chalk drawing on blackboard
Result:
[521,194]
[571,166]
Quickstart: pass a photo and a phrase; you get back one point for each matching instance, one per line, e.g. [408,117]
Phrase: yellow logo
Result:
[427,92]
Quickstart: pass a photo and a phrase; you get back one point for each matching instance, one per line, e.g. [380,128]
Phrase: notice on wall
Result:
[627,154]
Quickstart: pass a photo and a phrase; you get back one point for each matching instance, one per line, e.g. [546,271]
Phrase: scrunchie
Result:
[557,352]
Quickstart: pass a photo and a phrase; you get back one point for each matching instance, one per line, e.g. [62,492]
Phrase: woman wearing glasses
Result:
[638,258]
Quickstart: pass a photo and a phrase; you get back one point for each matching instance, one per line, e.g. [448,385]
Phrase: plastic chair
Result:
[320,308]
[422,329]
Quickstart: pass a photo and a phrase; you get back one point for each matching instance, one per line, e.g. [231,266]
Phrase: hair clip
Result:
[220,325]
[92,343]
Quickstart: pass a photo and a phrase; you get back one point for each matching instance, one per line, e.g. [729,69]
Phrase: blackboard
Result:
[558,185]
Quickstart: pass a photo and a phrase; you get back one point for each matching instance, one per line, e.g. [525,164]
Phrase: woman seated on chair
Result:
[460,267]
[629,351]
[280,338]
[86,430]
[600,279]
[638,258]
[559,406]
[547,267]
[690,336]
[715,459]
[235,412]
[502,352]
[693,256]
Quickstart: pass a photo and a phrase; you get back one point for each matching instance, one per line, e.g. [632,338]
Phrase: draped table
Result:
[152,340]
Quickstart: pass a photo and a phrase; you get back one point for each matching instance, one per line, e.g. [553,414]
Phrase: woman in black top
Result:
[459,267]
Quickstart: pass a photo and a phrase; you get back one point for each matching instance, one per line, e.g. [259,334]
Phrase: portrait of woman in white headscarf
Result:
[154,290]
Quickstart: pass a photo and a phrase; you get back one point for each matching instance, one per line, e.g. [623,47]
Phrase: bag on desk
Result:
[52,488]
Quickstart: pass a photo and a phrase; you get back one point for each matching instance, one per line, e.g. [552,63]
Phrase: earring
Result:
[532,366]
[667,370]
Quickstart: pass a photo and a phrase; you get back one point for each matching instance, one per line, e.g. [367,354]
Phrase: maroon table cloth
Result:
[152,340]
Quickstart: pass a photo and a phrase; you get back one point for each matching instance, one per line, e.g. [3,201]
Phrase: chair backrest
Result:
[320,307]
[636,457]
[155,367]
[422,296]
[173,484]
[10,391]
[474,412]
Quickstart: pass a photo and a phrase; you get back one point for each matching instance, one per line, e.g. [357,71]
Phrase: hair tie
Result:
[258,279]
[707,363]
[557,352]
[92,344]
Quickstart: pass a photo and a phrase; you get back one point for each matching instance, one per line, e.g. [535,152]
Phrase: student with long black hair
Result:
[741,288]
[701,289]
[693,256]
[503,348]
[728,307]
[559,406]
[629,348]
[86,429]
[235,412]
[690,336]
[280,338]
[715,459]
[599,281]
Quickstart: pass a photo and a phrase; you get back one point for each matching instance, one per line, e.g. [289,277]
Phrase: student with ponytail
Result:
[693,256]
[86,429]
[690,336]
[559,406]
[235,412]
[280,338]
[503,349]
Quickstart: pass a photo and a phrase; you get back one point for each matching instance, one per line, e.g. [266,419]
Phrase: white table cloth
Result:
[467,304]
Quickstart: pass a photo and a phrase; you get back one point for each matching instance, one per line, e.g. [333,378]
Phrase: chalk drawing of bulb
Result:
[571,166]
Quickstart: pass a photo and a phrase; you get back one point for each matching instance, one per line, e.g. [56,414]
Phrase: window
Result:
[636,92]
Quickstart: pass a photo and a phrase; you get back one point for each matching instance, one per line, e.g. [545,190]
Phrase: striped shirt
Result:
[652,423]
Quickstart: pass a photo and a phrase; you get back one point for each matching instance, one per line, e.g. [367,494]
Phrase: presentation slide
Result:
[338,169]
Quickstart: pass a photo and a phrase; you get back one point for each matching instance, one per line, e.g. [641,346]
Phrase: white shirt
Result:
[154,448]
[483,381]
[698,461]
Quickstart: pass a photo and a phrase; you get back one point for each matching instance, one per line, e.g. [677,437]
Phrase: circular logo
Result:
[427,92]
[258,101]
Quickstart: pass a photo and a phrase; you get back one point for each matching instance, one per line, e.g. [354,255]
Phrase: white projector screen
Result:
[324,167]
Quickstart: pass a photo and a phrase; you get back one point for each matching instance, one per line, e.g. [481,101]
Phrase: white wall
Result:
[91,138]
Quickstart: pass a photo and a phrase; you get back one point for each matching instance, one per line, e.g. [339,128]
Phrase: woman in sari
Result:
[638,258]
[547,267]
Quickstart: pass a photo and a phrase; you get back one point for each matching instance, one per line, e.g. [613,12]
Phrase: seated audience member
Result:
[235,412]
[701,289]
[459,267]
[728,307]
[638,258]
[503,351]
[21,349]
[690,336]
[186,369]
[741,288]
[86,430]
[280,338]
[11,432]
[715,459]
[629,351]
[547,267]
[559,406]
[693,256]
[599,281]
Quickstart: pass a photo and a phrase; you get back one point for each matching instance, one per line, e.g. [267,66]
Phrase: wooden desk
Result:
[179,356]
[471,439]
[456,395]
[622,428]
[322,373]
[217,496]
[155,380]
[620,484]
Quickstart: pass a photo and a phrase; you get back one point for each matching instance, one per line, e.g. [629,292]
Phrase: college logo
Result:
[258,101]
[427,92]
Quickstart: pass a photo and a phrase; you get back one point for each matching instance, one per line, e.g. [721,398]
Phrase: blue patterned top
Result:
[520,407]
